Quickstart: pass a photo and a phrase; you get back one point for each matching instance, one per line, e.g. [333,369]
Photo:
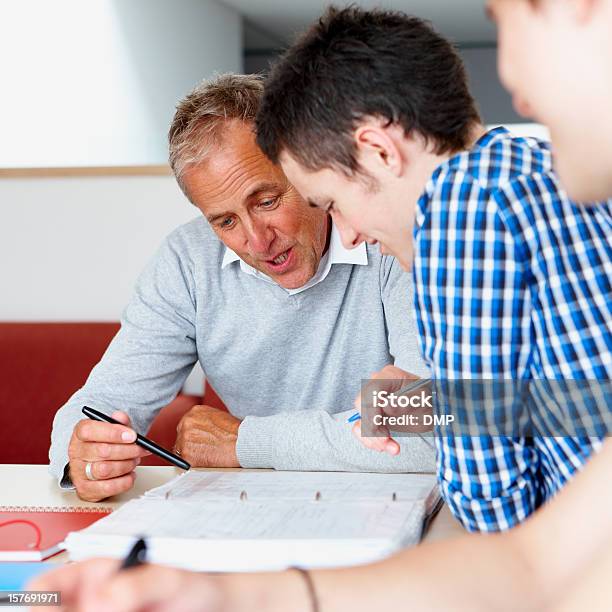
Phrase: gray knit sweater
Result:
[290,366]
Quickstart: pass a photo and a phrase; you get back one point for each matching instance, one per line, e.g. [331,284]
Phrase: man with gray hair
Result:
[263,294]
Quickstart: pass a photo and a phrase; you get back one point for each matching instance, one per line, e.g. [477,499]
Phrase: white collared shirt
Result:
[337,253]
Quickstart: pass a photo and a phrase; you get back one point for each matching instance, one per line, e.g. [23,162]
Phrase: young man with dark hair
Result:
[370,116]
[383,64]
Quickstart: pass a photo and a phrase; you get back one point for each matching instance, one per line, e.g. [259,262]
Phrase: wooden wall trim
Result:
[159,170]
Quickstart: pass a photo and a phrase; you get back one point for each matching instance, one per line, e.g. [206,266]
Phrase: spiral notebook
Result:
[34,533]
[246,521]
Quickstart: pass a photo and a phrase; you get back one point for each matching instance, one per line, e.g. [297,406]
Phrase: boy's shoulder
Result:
[499,158]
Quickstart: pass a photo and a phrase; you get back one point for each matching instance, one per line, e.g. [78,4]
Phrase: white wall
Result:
[529,130]
[95,82]
[71,248]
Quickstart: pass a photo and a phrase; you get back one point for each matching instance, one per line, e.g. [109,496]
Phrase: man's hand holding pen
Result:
[103,457]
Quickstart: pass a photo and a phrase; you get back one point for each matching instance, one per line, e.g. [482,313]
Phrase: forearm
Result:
[430,577]
[526,568]
[572,530]
[435,577]
[318,441]
[264,592]
[592,589]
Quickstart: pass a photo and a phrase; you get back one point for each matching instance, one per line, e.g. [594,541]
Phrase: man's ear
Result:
[377,149]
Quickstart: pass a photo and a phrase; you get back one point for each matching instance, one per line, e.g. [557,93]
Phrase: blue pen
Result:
[413,386]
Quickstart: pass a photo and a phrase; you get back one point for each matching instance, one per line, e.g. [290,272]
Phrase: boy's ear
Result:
[377,149]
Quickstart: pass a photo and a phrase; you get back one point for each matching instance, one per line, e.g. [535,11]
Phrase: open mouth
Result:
[281,262]
[282,258]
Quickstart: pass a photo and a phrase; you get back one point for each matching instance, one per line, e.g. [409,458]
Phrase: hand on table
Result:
[206,437]
[113,456]
[390,379]
[97,586]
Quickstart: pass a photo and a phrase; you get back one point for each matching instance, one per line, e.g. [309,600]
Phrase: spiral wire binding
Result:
[106,509]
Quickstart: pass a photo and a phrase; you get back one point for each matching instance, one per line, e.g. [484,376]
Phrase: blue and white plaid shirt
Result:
[513,281]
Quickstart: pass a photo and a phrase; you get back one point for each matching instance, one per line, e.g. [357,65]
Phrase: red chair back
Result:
[41,366]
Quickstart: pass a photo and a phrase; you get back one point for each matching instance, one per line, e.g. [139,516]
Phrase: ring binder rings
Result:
[245,521]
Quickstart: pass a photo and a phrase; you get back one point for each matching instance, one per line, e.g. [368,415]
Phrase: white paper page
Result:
[307,486]
[159,518]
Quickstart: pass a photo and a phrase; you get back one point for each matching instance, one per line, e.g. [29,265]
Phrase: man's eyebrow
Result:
[262,187]
[257,189]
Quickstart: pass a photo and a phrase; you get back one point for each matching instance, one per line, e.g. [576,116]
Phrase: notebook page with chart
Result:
[246,521]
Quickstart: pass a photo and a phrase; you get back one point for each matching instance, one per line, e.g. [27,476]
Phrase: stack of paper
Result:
[247,521]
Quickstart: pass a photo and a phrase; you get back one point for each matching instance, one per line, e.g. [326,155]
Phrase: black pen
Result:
[156,449]
[136,556]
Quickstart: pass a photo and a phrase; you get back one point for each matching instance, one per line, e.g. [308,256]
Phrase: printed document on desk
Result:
[252,521]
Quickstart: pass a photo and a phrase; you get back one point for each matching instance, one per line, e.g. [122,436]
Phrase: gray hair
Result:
[199,119]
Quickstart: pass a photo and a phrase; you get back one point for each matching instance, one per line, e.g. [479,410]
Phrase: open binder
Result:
[252,521]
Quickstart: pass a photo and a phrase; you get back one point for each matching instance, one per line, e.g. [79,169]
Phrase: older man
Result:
[263,294]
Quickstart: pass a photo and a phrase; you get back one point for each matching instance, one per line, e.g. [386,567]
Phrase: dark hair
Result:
[352,64]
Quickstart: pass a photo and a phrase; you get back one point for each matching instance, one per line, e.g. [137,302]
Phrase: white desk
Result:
[31,485]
